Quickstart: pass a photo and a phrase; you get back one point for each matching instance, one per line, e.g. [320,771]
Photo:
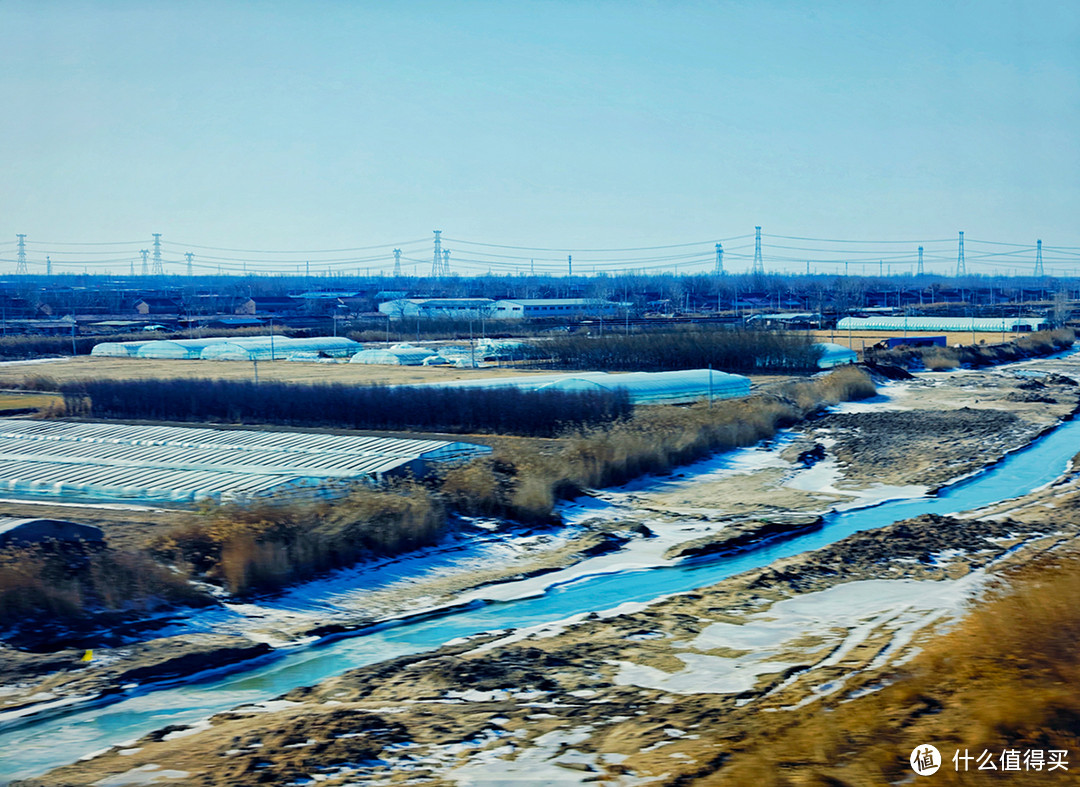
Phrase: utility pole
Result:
[808,267]
[159,270]
[436,262]
[961,268]
[759,265]
[397,262]
[20,265]
[569,265]
[719,260]
[145,267]
[190,256]
[48,265]
[131,272]
[919,271]
[1038,259]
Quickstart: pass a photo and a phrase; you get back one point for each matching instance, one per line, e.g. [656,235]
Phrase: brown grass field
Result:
[859,340]
[17,401]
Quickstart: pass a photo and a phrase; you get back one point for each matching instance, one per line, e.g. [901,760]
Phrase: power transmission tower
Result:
[961,268]
[48,266]
[919,271]
[719,260]
[1038,259]
[569,264]
[189,256]
[20,265]
[159,270]
[131,272]
[759,265]
[145,268]
[436,261]
[397,262]
[446,262]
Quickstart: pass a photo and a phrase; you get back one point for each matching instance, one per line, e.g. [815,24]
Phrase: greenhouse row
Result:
[221,348]
[182,464]
[944,324]
[643,387]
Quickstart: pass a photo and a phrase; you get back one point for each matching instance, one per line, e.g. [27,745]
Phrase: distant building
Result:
[268,304]
[438,308]
[152,305]
[540,308]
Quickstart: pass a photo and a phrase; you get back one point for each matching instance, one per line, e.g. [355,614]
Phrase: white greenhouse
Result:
[835,355]
[186,464]
[272,348]
[188,349]
[944,324]
[644,387]
[398,355]
[118,349]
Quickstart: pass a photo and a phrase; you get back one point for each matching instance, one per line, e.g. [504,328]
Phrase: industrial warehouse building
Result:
[437,308]
[539,308]
[687,385]
[488,309]
[944,324]
[169,464]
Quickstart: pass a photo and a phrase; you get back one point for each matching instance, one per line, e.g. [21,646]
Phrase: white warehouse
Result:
[508,309]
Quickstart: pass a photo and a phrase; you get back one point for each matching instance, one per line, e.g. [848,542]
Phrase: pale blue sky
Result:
[312,125]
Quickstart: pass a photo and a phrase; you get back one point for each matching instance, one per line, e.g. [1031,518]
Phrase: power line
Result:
[581,251]
[298,251]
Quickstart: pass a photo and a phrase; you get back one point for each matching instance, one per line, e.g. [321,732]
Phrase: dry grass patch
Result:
[1007,677]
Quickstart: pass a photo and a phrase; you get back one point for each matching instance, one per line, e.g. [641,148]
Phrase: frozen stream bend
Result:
[83,730]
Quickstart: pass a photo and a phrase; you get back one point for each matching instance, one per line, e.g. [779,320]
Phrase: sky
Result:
[299,126]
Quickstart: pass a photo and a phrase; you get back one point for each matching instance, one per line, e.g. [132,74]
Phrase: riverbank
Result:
[643,502]
[643,524]
[665,692]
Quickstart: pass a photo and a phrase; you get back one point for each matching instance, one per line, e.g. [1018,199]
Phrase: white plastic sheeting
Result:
[181,464]
[947,324]
[398,355]
[118,349]
[259,348]
[234,348]
[644,387]
[835,355]
[177,348]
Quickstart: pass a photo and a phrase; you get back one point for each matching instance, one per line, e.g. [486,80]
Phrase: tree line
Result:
[694,348]
[427,408]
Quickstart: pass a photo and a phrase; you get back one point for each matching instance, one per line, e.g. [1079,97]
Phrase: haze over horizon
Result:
[555,125]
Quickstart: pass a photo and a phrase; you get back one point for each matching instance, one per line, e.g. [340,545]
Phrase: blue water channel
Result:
[50,742]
